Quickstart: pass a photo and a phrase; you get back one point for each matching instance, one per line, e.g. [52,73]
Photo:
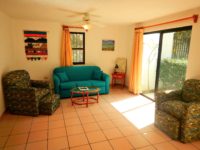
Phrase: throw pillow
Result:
[97,74]
[62,76]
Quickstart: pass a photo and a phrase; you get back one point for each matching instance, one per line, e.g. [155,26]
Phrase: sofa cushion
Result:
[83,83]
[62,76]
[97,75]
[67,85]
[98,83]
[175,108]
[77,73]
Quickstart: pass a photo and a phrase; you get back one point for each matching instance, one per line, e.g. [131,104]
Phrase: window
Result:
[78,47]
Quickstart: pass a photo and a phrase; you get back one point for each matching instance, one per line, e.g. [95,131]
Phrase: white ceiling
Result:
[110,11]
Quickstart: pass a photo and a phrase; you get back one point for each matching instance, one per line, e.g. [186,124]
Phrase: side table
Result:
[118,76]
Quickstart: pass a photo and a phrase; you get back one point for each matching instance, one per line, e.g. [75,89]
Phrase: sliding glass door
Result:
[164,63]
[149,63]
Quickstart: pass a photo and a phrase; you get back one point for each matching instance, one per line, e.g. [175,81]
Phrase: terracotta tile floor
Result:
[120,121]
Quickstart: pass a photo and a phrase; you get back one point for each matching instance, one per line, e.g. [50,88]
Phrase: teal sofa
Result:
[66,78]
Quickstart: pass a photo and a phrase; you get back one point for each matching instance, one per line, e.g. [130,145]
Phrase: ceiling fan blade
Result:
[75,15]
[97,24]
[93,15]
[90,10]
[70,11]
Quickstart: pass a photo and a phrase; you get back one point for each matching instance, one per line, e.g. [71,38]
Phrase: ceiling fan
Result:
[87,18]
[87,22]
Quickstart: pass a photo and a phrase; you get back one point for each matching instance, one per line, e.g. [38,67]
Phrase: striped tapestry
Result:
[35,45]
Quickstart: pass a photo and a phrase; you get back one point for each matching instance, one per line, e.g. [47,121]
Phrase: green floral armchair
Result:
[178,113]
[28,97]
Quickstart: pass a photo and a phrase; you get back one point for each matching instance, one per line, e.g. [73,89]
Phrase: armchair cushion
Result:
[40,84]
[41,92]
[63,76]
[174,107]
[48,105]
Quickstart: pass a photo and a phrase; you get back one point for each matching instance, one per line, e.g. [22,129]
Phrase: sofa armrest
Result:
[106,78]
[56,81]
[162,96]
[40,84]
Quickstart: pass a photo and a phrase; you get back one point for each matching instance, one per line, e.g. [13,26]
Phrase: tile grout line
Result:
[102,106]
[85,131]
[82,127]
[121,131]
[101,128]
[48,133]
[65,126]
[9,135]
[118,127]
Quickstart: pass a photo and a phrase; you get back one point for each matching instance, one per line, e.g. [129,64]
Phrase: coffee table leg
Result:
[83,96]
[87,95]
[72,98]
[97,97]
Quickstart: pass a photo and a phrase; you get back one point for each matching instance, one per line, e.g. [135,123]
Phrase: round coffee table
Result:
[88,95]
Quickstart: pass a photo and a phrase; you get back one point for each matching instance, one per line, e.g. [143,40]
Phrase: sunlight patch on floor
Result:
[130,103]
[138,110]
[141,117]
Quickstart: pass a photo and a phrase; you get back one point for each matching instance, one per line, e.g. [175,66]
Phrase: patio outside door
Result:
[164,60]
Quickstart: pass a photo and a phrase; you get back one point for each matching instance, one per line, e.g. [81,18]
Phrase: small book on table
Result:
[83,88]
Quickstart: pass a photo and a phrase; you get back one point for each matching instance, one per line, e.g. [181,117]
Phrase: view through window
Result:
[78,47]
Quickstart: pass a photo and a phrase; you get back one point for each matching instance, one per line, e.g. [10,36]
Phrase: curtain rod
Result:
[79,27]
[194,17]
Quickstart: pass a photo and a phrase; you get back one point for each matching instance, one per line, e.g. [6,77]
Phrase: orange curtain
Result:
[66,50]
[136,64]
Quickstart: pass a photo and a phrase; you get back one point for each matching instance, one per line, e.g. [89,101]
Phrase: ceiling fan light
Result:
[86,27]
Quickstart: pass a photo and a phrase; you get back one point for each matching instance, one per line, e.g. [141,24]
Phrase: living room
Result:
[12,39]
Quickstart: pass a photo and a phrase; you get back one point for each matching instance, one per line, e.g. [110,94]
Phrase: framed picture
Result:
[108,45]
[35,45]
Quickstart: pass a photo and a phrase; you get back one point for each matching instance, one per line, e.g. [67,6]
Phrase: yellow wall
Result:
[37,69]
[5,52]
[94,55]
[43,69]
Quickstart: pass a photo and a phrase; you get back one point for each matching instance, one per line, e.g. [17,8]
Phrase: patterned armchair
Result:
[178,112]
[28,97]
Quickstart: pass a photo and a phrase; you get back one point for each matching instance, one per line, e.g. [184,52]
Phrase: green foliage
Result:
[181,44]
[172,73]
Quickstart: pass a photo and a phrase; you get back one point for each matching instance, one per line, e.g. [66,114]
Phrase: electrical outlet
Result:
[46,78]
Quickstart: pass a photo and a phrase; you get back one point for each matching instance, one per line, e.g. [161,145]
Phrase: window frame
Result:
[83,49]
[160,47]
